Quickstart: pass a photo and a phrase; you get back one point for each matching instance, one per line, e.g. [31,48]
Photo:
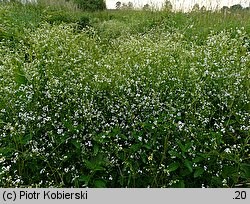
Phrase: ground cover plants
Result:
[123,98]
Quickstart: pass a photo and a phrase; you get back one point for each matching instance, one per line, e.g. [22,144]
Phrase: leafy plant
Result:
[132,99]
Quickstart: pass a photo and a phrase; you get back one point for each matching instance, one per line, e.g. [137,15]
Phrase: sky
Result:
[181,4]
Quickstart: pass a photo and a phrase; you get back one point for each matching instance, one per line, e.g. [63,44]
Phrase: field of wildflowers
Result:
[123,99]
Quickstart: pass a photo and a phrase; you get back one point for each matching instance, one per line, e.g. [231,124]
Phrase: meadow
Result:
[123,98]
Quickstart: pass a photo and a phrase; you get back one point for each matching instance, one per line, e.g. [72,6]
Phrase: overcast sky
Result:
[181,4]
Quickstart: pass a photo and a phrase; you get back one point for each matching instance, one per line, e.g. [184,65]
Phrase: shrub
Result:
[91,5]
[118,5]
[58,16]
[236,7]
[167,6]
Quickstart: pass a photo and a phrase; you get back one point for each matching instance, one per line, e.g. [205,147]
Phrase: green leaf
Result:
[245,170]
[68,125]
[188,145]
[6,151]
[216,181]
[188,164]
[185,172]
[147,146]
[84,179]
[96,149]
[199,171]
[181,184]
[20,79]
[227,171]
[99,184]
[173,166]
[183,149]
[144,158]
[174,153]
[26,139]
[198,159]
[90,165]
[94,165]
[76,144]
[123,136]
[135,147]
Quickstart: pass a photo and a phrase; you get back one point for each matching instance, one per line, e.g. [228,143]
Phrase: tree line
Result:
[169,7]
[95,5]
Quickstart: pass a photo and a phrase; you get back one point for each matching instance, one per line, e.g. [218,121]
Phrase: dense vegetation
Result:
[91,5]
[123,98]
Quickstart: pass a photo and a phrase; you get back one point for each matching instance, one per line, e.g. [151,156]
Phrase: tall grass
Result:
[59,4]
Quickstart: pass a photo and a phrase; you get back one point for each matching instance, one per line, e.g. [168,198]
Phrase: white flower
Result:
[206,72]
[227,150]
[180,125]
[59,131]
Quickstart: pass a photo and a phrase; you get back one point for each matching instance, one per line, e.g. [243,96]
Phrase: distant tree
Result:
[124,6]
[91,5]
[146,7]
[247,9]
[196,7]
[203,8]
[130,5]
[236,7]
[167,6]
[224,9]
[118,5]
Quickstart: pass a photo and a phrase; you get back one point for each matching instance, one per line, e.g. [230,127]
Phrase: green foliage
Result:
[128,6]
[91,5]
[132,99]
[118,5]
[196,7]
[236,7]
[58,17]
[167,6]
